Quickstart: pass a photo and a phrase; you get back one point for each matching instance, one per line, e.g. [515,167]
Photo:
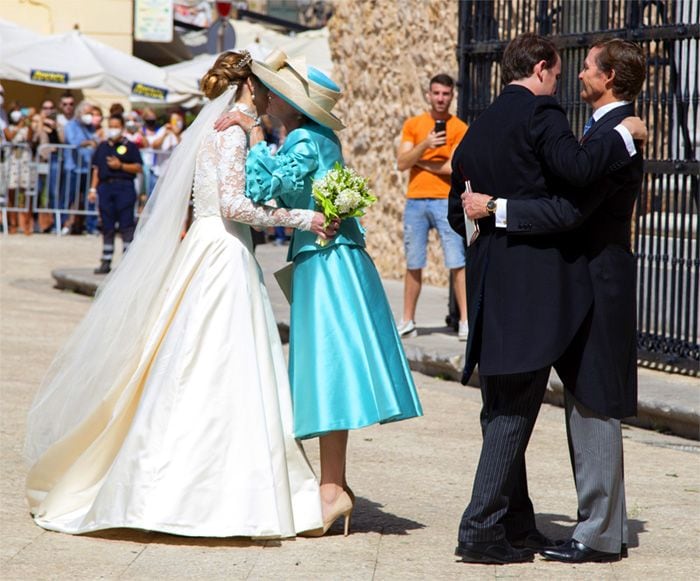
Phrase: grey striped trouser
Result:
[595,445]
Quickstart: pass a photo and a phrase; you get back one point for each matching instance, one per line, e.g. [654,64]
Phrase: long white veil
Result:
[114,330]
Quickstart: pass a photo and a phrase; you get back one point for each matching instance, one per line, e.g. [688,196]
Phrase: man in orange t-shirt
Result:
[427,145]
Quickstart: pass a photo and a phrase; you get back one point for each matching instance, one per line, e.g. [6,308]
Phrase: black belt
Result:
[115,180]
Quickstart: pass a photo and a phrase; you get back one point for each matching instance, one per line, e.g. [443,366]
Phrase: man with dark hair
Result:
[599,370]
[528,296]
[427,144]
[67,106]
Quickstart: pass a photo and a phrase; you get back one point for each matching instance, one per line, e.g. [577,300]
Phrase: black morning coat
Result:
[527,296]
[600,367]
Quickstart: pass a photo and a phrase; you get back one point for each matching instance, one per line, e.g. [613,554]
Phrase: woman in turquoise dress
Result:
[346,363]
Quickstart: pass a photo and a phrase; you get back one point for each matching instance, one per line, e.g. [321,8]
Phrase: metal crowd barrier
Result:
[56,179]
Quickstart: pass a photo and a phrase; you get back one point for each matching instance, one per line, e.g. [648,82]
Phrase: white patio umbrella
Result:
[76,61]
[260,41]
[12,34]
[187,74]
[13,37]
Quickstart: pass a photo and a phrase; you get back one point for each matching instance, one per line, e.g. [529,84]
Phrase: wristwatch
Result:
[491,206]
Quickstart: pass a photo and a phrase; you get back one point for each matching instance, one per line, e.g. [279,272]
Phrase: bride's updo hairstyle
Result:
[230,68]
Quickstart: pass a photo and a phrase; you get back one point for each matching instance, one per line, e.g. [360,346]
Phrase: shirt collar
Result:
[605,109]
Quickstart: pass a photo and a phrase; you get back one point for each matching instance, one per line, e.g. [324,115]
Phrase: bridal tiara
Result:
[245,60]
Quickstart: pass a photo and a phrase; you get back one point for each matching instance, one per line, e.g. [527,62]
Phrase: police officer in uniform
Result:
[115,163]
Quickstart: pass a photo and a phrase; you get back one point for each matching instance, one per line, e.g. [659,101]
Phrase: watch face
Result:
[491,205]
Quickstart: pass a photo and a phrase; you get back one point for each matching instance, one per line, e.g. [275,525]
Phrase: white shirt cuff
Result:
[627,138]
[501,213]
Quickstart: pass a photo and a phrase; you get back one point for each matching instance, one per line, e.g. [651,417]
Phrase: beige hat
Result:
[304,87]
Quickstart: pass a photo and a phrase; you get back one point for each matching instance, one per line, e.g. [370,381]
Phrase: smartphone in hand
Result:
[440,125]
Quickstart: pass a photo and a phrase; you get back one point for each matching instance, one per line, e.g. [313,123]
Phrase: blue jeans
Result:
[420,215]
[52,193]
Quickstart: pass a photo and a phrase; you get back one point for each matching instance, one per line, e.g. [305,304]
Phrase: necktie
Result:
[588,125]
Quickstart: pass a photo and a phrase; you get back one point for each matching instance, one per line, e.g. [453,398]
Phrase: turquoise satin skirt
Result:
[346,362]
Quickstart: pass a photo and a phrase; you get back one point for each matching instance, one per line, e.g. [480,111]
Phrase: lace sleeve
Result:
[231,180]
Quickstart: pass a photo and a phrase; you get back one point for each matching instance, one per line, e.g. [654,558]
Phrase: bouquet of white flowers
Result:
[341,193]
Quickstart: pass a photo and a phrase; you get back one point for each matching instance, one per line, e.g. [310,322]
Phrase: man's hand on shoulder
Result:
[636,127]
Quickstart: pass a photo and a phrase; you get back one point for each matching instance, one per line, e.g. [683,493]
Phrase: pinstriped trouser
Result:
[595,446]
[500,504]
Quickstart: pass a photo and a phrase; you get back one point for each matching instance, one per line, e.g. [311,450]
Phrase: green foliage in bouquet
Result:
[342,193]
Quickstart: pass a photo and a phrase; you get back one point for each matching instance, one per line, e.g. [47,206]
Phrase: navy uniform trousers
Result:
[116,202]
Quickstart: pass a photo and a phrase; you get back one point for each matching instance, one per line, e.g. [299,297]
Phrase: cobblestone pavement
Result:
[412,478]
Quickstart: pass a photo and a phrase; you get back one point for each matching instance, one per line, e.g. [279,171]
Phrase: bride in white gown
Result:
[169,409]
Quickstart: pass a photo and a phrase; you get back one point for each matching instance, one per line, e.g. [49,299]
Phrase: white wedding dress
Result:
[195,437]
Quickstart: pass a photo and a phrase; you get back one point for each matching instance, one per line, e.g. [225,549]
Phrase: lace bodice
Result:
[219,185]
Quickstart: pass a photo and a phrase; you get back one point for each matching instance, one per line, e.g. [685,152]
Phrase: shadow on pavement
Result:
[368,517]
[155,538]
[424,331]
[560,527]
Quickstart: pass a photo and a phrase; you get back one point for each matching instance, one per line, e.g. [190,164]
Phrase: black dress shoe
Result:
[623,551]
[104,268]
[574,552]
[535,540]
[498,552]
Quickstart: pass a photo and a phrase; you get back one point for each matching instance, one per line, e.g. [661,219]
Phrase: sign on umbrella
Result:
[76,61]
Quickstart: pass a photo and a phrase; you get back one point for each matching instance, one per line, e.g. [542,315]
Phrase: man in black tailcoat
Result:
[599,370]
[528,295]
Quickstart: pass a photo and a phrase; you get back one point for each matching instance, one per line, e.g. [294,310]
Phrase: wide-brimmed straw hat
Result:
[304,87]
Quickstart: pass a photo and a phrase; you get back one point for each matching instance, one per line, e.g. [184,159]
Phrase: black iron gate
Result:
[666,222]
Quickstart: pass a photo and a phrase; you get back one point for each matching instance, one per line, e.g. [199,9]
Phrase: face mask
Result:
[86,119]
[150,123]
[113,133]
[177,124]
[16,116]
[131,126]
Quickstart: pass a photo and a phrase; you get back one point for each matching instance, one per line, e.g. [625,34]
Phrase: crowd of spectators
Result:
[61,177]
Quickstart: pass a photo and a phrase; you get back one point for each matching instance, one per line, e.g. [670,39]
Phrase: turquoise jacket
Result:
[308,153]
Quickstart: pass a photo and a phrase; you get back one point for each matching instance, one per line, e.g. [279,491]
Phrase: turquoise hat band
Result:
[321,79]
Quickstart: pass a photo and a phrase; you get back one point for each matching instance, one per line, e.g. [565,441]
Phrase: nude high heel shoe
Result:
[342,506]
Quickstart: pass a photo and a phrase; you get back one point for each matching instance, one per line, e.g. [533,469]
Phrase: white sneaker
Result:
[65,231]
[407,329]
[463,333]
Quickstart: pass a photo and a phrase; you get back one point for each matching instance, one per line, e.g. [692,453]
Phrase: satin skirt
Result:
[197,439]
[347,365]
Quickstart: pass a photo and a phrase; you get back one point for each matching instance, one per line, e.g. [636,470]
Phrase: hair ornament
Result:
[246,59]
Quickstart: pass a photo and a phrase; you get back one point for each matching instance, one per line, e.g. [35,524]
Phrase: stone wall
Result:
[385,52]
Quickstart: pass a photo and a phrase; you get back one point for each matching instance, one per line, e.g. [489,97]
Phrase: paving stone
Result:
[412,479]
